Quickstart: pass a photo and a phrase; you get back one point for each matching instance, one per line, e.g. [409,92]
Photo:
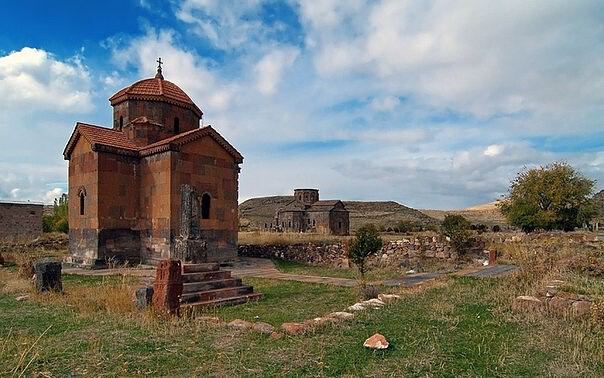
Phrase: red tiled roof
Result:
[155,89]
[98,135]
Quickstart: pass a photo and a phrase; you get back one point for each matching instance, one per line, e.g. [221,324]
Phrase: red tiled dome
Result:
[155,89]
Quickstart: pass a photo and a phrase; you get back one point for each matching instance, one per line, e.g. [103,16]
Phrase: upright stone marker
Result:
[167,288]
[48,275]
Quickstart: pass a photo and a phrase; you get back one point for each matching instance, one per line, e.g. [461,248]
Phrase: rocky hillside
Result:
[254,212]
[488,214]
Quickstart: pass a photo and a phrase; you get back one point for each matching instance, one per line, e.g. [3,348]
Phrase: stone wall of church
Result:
[83,179]
[208,168]
[155,206]
[159,112]
[339,222]
[20,220]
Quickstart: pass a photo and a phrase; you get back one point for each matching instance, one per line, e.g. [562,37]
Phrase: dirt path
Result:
[265,268]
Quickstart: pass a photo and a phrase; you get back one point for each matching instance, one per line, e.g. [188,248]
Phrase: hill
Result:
[488,214]
[255,212]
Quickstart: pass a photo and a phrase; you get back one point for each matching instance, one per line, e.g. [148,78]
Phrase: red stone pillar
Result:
[167,288]
[492,257]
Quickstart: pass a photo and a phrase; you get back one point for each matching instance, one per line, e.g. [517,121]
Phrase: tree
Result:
[366,242]
[457,228]
[551,197]
[58,220]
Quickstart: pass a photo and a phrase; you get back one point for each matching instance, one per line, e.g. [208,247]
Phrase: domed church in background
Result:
[156,185]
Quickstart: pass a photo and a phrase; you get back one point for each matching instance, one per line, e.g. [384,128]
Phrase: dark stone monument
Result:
[167,287]
[48,275]
[189,246]
[143,297]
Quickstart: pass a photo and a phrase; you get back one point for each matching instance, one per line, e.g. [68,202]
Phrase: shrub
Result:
[58,220]
[365,243]
[496,228]
[369,292]
[552,197]
[457,228]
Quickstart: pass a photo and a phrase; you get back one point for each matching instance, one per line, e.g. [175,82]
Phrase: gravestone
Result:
[143,297]
[48,275]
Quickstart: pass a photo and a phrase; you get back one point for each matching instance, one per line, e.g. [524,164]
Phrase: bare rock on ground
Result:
[240,324]
[377,341]
[263,328]
[294,328]
[528,303]
[387,298]
[340,315]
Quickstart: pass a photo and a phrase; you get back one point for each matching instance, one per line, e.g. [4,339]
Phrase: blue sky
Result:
[424,103]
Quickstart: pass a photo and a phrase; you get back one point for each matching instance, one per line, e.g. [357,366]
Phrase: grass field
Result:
[455,327]
[447,328]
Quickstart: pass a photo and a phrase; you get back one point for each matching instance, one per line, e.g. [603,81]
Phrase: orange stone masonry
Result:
[155,186]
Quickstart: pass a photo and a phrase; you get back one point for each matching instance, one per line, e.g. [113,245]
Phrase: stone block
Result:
[167,288]
[143,297]
[528,303]
[48,275]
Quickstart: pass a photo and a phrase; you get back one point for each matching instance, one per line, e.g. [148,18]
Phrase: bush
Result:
[58,220]
[496,228]
[366,242]
[553,197]
[457,228]
[369,292]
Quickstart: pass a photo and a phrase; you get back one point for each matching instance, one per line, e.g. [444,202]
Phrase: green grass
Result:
[374,274]
[459,328]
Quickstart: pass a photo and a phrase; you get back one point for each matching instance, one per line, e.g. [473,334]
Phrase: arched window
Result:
[205,206]
[176,125]
[121,122]
[82,195]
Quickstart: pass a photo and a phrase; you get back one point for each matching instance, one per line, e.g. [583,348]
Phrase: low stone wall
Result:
[335,255]
[319,254]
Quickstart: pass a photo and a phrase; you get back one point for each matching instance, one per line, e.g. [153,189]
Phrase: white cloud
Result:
[50,196]
[183,67]
[270,68]
[34,78]
[384,104]
[493,150]
[474,56]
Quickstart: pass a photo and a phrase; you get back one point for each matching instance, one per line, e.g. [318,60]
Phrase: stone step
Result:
[193,287]
[206,276]
[198,268]
[223,301]
[228,292]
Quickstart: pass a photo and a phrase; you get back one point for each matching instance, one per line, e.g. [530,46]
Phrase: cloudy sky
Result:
[434,104]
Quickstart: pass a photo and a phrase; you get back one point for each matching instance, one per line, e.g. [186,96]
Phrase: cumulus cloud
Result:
[37,79]
[270,68]
[384,104]
[475,56]
[183,67]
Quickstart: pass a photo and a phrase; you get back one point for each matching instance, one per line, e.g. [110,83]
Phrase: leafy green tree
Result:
[551,197]
[366,242]
[58,220]
[457,229]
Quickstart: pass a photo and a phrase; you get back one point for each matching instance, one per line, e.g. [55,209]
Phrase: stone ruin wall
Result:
[335,255]
[20,220]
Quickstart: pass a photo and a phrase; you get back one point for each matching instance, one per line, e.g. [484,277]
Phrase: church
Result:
[155,185]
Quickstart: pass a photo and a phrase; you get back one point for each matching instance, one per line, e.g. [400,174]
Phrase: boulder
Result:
[373,303]
[319,321]
[559,305]
[357,307]
[143,297]
[387,298]
[294,328]
[377,341]
[581,308]
[528,303]
[48,275]
[240,324]
[340,315]
[263,328]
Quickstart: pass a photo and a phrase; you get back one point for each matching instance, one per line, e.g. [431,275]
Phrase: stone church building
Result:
[155,185]
[306,213]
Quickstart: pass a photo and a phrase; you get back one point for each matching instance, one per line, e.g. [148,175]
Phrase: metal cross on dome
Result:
[159,63]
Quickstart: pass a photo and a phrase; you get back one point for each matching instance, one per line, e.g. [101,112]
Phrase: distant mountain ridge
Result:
[255,212]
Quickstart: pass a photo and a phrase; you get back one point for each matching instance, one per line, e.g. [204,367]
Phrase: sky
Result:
[433,104]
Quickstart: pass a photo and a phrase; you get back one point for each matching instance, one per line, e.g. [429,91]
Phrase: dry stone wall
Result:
[20,220]
[335,255]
